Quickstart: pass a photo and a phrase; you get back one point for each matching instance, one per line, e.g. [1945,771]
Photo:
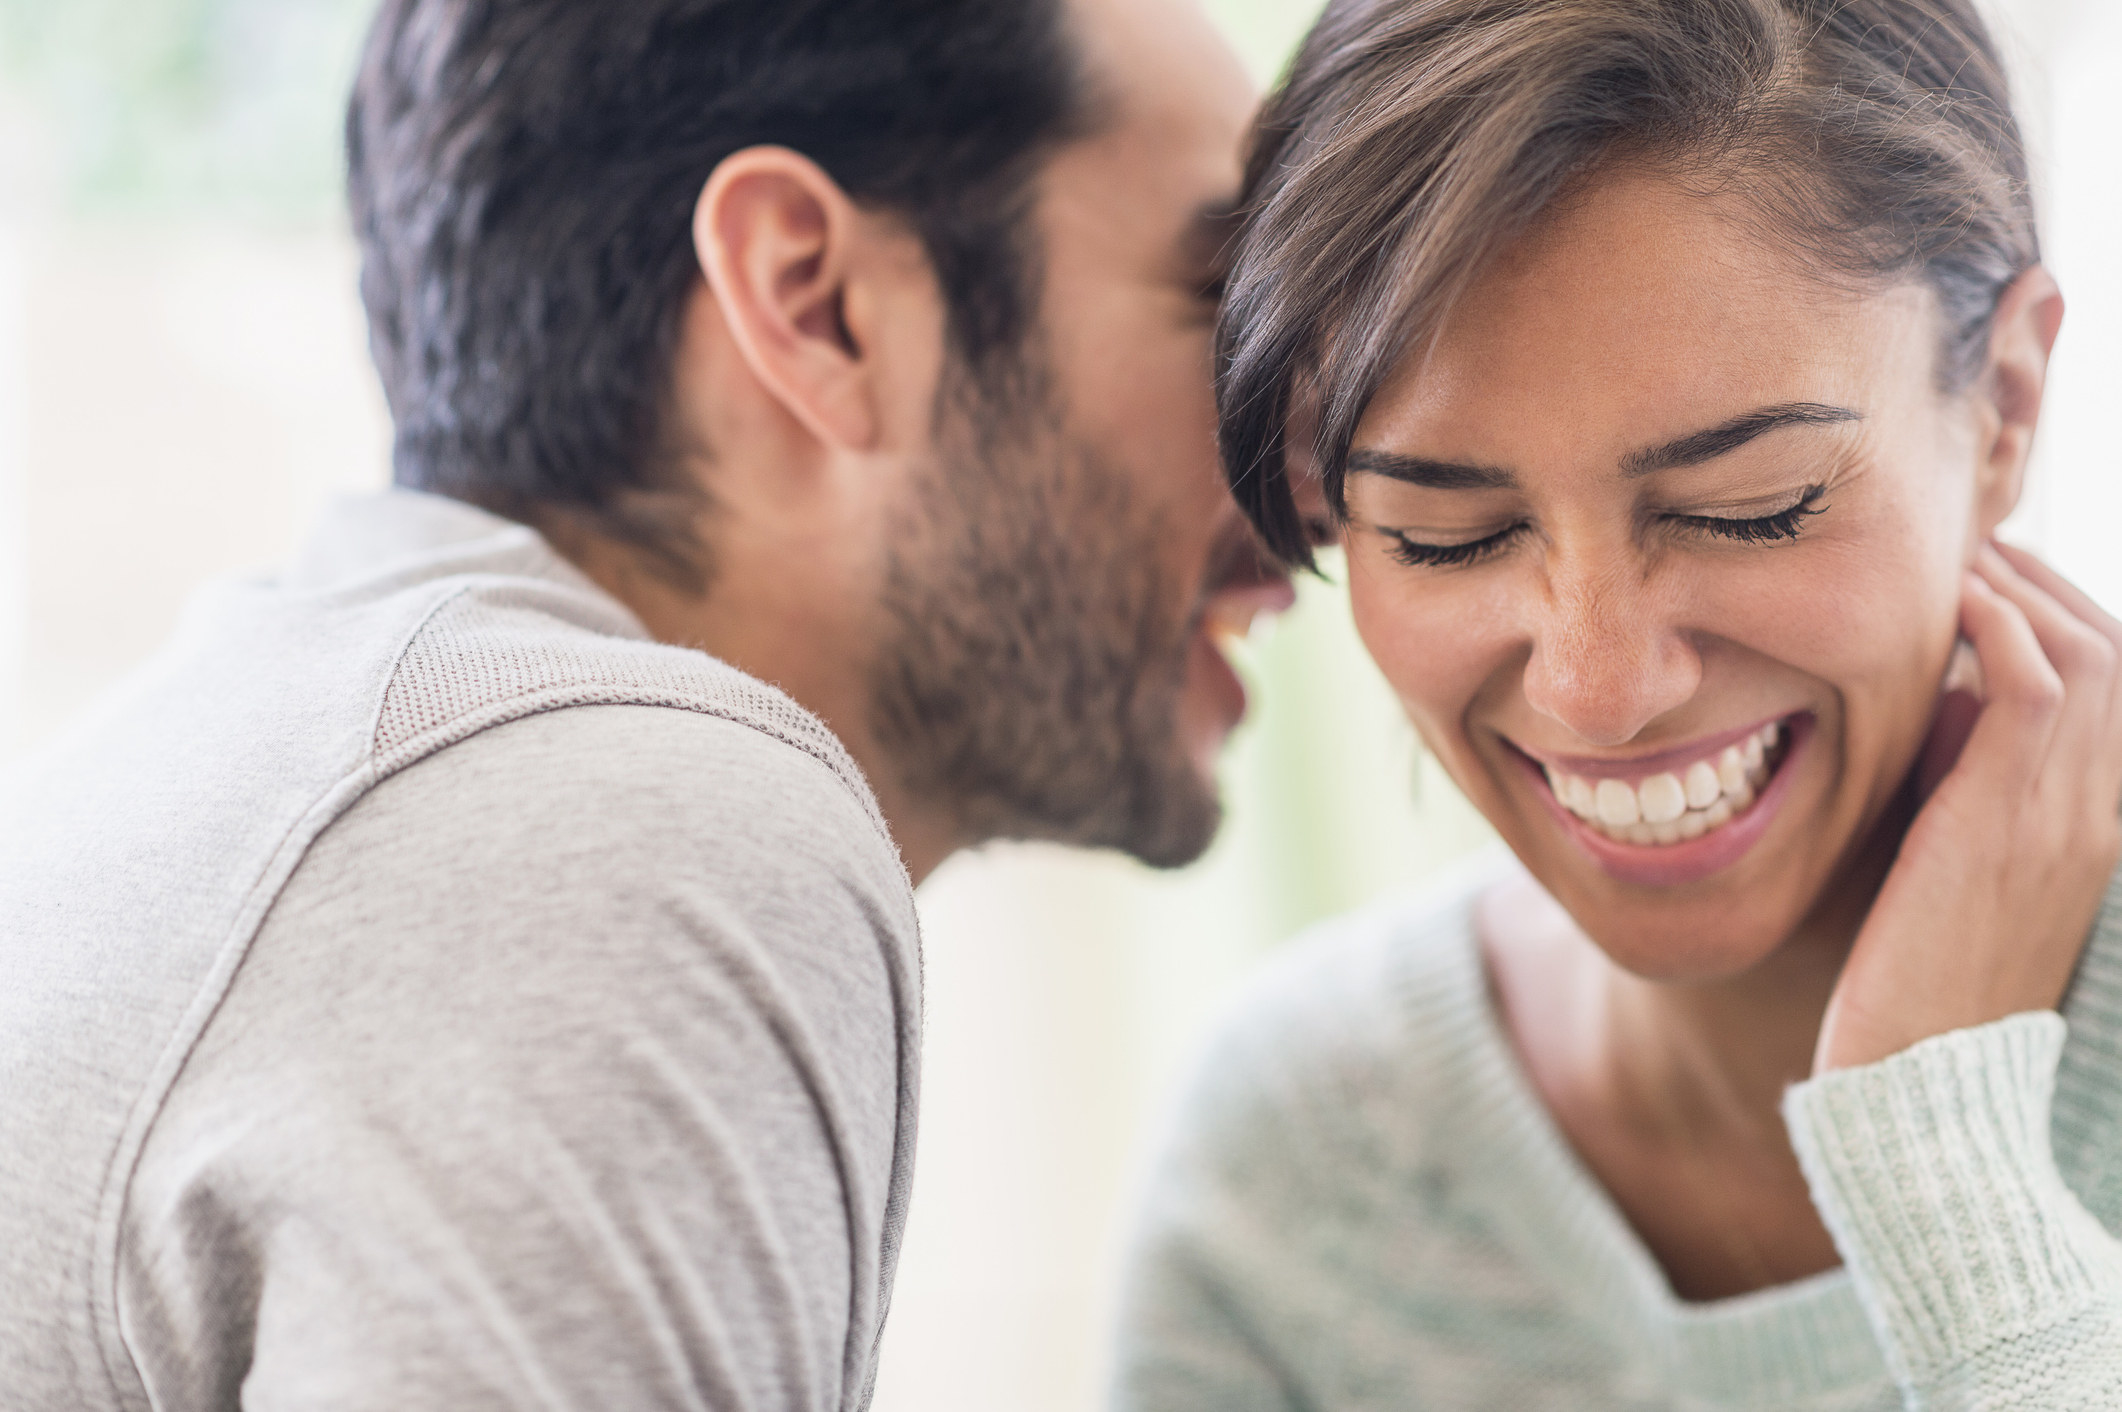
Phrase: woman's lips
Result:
[1681,815]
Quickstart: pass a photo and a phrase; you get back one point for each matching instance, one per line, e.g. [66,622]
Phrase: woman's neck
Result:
[1716,1056]
[1671,1092]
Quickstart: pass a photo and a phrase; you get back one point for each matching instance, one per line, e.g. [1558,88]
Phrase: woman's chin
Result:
[1713,930]
[1666,945]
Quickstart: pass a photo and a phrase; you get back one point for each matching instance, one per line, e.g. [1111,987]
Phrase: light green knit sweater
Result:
[1366,1207]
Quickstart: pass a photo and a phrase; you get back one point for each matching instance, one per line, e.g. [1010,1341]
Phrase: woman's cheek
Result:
[1869,619]
[1433,635]
[1872,617]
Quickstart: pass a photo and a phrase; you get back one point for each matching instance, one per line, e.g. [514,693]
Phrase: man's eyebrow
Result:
[1433,475]
[1697,447]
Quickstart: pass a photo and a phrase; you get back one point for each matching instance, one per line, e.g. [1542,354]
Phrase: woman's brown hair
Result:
[1414,139]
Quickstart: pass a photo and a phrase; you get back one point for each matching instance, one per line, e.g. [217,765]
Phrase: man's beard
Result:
[1034,658]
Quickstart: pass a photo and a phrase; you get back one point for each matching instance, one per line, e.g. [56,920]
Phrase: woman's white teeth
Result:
[1672,808]
[1731,769]
[1618,805]
[1664,799]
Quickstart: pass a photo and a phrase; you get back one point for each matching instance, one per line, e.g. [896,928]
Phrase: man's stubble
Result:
[1034,655]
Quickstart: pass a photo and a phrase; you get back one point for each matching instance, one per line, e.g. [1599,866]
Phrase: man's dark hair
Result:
[522,176]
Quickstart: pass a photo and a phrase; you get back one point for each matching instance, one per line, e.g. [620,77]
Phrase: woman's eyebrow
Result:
[1697,447]
[1690,450]
[1434,475]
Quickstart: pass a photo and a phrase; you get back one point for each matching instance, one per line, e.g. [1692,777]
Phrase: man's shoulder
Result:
[526,715]
[477,693]
[429,828]
[504,648]
[587,849]
[601,988]
[651,796]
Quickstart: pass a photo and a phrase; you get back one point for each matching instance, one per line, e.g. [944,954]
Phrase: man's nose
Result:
[1607,659]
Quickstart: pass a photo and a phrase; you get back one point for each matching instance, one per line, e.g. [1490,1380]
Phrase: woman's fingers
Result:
[2074,643]
[2025,693]
[2057,587]
[1986,908]
[2086,658]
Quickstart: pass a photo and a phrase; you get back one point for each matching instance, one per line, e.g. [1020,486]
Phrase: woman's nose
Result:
[1606,660]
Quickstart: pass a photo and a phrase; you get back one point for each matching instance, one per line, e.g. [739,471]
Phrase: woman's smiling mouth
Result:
[1679,815]
[1674,805]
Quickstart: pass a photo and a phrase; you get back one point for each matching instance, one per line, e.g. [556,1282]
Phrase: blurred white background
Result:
[183,379]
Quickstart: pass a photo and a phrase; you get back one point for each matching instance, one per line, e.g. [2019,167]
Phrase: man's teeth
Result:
[1668,807]
[1231,624]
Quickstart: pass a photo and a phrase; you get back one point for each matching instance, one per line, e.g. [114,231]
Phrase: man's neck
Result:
[769,627]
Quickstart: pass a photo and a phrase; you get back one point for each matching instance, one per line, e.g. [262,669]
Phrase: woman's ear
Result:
[775,237]
[2020,340]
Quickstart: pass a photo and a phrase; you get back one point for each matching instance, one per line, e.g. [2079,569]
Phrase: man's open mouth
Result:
[1677,805]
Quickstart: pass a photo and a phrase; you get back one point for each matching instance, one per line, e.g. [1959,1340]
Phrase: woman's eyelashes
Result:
[1417,555]
[1783,524]
[1775,527]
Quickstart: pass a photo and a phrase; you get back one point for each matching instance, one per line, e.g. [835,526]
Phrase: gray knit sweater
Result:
[421,990]
[1366,1207]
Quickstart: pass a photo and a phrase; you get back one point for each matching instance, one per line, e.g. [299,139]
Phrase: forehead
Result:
[1173,104]
[1638,311]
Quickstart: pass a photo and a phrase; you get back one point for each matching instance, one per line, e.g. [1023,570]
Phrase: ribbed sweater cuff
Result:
[1934,1172]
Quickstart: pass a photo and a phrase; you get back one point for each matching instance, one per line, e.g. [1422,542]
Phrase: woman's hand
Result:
[1988,905]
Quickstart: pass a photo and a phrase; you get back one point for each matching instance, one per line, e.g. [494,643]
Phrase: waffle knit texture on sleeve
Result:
[1987,1283]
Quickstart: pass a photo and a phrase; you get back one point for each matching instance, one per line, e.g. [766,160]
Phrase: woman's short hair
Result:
[1414,139]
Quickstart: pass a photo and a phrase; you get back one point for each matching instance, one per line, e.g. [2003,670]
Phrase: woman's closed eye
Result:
[1776,526]
[1784,524]
[1417,554]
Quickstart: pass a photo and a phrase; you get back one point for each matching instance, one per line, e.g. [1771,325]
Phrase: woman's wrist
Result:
[1934,1171]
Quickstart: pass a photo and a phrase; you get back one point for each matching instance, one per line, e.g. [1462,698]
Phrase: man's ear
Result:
[774,236]
[2021,338]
